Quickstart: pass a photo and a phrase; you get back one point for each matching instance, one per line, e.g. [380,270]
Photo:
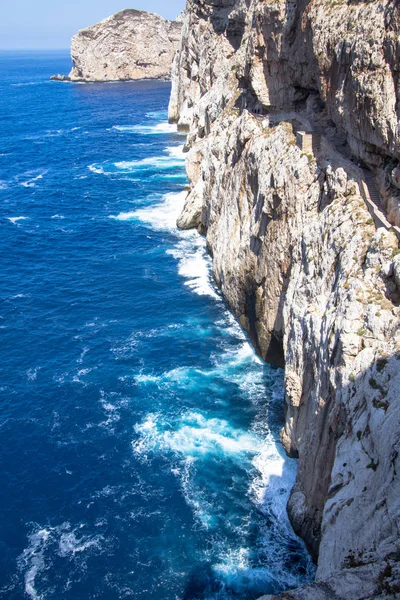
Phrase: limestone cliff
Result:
[298,256]
[131,44]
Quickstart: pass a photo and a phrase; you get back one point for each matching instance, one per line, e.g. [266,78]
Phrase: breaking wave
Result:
[159,128]
[168,167]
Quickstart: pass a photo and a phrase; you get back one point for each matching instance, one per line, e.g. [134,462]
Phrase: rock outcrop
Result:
[297,254]
[131,44]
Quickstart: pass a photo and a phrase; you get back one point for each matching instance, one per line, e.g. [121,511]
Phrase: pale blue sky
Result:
[27,24]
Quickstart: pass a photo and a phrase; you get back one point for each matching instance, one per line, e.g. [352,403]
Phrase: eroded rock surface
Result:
[131,44]
[297,255]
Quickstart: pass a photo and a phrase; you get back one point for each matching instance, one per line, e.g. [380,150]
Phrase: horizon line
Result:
[33,49]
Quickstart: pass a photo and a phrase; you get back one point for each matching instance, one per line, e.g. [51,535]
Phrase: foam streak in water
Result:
[159,128]
[15,220]
[47,543]
[32,560]
[165,166]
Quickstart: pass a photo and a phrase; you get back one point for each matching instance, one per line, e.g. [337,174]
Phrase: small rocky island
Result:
[129,45]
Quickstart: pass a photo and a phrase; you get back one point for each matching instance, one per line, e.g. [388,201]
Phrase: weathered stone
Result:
[396,270]
[296,255]
[131,44]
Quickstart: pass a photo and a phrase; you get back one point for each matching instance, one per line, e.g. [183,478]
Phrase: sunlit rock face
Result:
[296,253]
[131,44]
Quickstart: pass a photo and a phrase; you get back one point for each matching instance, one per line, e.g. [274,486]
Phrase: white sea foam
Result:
[58,217]
[111,404]
[240,365]
[233,560]
[124,216]
[194,438]
[164,164]
[126,348]
[96,169]
[159,128]
[154,162]
[55,132]
[230,327]
[108,490]
[176,152]
[31,182]
[240,575]
[79,374]
[163,216]
[32,374]
[3,185]
[32,560]
[236,568]
[44,543]
[194,265]
[161,165]
[201,507]
[84,372]
[196,269]
[158,114]
[237,364]
[194,435]
[198,435]
[129,346]
[24,84]
[15,220]
[70,544]
[50,133]
[82,355]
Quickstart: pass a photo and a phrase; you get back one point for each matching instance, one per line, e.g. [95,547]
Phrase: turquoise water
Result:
[140,452]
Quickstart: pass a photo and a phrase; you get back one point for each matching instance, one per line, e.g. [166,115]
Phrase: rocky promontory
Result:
[129,45]
[292,114]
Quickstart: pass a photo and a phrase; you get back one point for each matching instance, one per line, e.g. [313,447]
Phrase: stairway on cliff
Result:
[372,188]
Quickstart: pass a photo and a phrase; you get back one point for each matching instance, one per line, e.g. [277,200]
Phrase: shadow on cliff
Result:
[225,19]
[350,435]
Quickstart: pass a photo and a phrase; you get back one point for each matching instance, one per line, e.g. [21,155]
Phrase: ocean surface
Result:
[139,432]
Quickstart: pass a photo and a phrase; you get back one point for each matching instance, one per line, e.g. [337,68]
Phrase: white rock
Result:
[296,256]
[131,44]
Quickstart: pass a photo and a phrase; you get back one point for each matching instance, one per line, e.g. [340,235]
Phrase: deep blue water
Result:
[139,452]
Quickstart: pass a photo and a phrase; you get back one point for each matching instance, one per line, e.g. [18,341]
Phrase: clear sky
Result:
[27,24]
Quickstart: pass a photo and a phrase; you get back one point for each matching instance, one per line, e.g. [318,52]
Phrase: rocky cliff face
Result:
[297,254]
[131,44]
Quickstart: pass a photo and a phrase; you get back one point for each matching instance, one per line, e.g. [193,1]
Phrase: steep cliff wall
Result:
[297,254]
[131,44]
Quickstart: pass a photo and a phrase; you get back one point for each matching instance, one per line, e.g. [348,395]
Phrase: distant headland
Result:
[129,45]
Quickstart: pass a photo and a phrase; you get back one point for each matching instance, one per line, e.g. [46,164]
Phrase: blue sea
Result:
[139,451]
